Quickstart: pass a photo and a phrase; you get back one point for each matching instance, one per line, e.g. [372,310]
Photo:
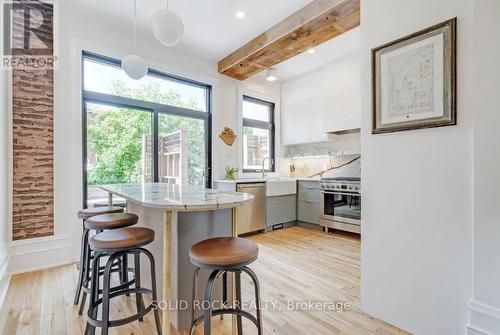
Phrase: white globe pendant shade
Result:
[134,66]
[167,27]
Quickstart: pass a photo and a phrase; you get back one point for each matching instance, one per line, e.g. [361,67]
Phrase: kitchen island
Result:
[180,217]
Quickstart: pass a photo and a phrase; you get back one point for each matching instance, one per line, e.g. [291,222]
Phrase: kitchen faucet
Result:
[263,166]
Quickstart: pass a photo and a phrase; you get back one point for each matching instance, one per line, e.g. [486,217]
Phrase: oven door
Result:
[341,206]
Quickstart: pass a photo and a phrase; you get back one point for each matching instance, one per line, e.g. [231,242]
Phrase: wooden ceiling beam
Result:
[318,22]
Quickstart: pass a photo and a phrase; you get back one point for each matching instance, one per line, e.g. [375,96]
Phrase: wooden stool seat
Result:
[121,239]
[86,213]
[115,245]
[223,252]
[111,221]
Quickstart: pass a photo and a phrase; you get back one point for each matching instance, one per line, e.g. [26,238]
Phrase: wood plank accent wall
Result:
[33,149]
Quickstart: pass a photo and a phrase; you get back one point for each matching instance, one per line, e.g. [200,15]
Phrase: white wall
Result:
[417,189]
[485,307]
[228,114]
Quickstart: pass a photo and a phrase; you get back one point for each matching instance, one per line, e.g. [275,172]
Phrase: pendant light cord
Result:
[167,4]
[135,28]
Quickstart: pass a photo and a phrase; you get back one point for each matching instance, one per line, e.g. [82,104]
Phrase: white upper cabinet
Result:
[322,101]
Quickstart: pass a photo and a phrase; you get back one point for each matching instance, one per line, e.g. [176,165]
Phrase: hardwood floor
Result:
[294,265]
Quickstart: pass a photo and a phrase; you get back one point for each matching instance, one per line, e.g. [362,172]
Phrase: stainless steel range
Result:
[341,203]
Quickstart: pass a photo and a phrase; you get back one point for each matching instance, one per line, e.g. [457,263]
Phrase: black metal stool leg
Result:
[255,280]
[237,281]
[139,302]
[94,292]
[86,278]
[153,288]
[207,320]
[224,292]
[193,294]
[105,293]
[81,274]
[124,272]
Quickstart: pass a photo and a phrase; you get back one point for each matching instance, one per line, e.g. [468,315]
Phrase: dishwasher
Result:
[251,216]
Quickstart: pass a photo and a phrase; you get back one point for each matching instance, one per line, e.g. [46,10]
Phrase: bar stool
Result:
[222,255]
[99,223]
[85,214]
[117,244]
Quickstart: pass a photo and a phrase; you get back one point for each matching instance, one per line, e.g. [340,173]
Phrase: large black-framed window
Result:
[157,129]
[258,135]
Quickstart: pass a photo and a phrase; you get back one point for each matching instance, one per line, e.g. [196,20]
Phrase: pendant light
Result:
[134,66]
[167,27]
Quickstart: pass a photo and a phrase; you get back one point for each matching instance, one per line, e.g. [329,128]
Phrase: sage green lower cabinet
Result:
[309,212]
[309,197]
[281,209]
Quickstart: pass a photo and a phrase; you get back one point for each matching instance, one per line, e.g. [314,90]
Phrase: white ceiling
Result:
[341,46]
[211,27]
[212,30]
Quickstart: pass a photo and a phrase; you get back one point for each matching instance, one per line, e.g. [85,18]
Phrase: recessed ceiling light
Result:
[271,75]
[240,14]
[311,51]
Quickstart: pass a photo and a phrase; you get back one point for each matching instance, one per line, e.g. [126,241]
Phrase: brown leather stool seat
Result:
[122,239]
[223,252]
[86,213]
[111,221]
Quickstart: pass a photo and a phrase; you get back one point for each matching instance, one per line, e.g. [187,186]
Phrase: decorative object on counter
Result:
[292,170]
[414,80]
[230,173]
[320,174]
[228,136]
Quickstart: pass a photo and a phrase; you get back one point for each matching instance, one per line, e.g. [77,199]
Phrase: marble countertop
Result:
[177,198]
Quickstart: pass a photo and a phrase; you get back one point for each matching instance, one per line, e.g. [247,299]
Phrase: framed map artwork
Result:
[414,80]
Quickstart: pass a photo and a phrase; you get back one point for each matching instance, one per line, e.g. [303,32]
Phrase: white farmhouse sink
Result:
[280,186]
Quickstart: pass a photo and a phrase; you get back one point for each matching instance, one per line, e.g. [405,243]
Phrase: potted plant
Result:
[231,173]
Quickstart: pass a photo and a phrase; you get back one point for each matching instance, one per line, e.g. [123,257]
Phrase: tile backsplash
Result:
[309,165]
[312,158]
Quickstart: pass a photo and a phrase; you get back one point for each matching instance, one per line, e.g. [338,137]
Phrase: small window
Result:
[258,135]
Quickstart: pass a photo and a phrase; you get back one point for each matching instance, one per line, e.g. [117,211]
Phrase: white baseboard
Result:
[484,319]
[40,253]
